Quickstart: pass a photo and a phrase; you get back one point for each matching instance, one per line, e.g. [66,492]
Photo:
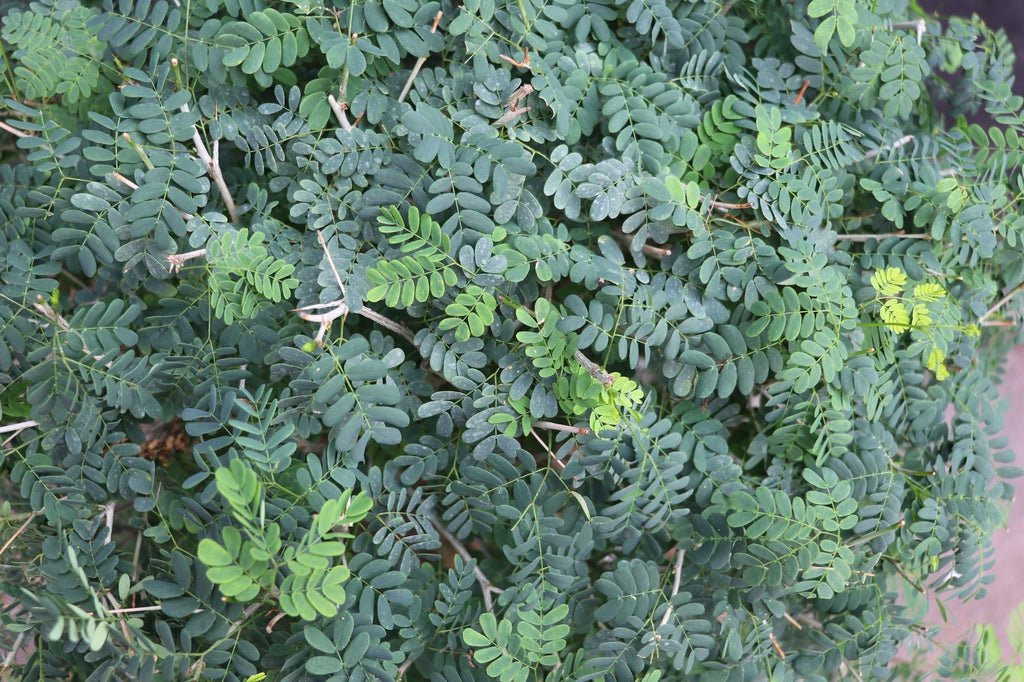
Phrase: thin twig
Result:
[340,308]
[14,650]
[803,91]
[485,583]
[212,163]
[339,112]
[919,26]
[999,304]
[176,260]
[594,369]
[108,513]
[553,426]
[725,207]
[21,529]
[14,131]
[792,620]
[556,463]
[330,261]
[135,609]
[274,621]
[887,235]
[680,555]
[899,569]
[419,63]
[18,426]
[775,643]
[903,141]
[235,625]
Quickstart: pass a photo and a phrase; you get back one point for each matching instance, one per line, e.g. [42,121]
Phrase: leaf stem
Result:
[146,161]
[877,534]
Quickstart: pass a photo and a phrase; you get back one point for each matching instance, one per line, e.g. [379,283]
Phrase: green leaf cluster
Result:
[538,340]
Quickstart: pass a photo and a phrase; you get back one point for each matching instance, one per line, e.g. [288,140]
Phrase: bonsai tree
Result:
[489,340]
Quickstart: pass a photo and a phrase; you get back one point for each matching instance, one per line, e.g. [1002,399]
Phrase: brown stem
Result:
[887,235]
[212,163]
[905,140]
[725,206]
[553,426]
[999,304]
[176,260]
[14,131]
[339,112]
[21,529]
[419,63]
[555,462]
[594,369]
[803,91]
[656,251]
[18,426]
[680,555]
[485,583]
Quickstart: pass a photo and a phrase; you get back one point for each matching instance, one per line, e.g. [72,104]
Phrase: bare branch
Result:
[108,519]
[725,207]
[903,141]
[123,180]
[419,63]
[339,112]
[485,583]
[680,554]
[594,369]
[1000,303]
[213,165]
[18,426]
[566,428]
[330,261]
[14,131]
[886,235]
[21,529]
[176,260]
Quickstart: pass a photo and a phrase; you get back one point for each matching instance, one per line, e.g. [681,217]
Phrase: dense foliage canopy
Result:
[498,339]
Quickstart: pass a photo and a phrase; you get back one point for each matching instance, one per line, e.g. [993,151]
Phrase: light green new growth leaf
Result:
[427,272]
[889,281]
